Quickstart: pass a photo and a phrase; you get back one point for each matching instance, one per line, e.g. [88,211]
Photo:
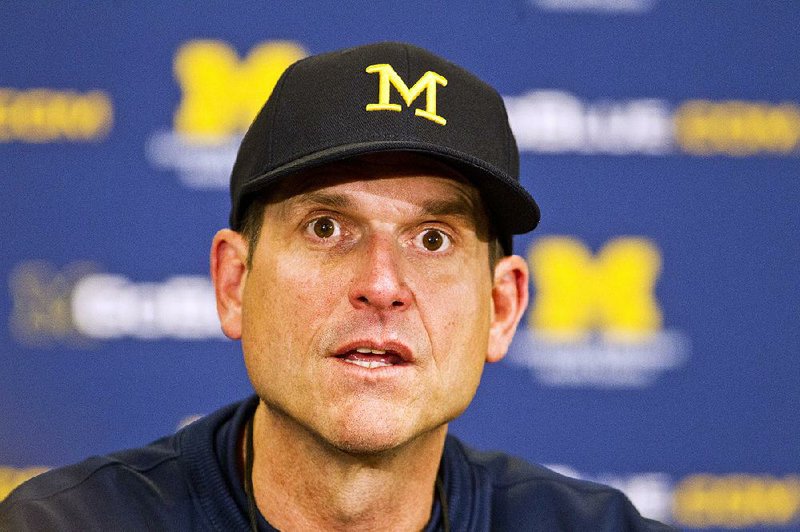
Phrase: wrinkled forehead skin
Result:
[383,165]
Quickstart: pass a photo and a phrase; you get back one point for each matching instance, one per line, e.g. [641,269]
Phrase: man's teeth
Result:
[368,351]
[368,363]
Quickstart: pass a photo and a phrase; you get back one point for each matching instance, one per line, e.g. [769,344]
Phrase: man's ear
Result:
[509,298]
[229,274]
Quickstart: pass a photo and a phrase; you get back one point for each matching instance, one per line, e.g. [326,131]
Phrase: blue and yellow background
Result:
[661,351]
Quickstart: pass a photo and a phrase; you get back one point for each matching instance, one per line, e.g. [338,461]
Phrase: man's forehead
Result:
[321,182]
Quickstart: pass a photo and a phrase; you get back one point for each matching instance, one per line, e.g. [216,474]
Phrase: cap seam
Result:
[406,116]
[507,131]
[276,94]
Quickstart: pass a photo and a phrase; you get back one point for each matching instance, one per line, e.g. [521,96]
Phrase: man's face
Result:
[366,311]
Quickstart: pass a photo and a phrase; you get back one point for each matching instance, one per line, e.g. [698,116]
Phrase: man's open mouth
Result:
[372,357]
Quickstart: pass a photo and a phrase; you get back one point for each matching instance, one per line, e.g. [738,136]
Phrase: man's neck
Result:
[302,483]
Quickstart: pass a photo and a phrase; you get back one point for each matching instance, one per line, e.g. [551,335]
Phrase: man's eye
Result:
[325,227]
[433,240]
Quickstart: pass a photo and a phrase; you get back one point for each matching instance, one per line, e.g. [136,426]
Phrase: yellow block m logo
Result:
[221,94]
[388,78]
[612,292]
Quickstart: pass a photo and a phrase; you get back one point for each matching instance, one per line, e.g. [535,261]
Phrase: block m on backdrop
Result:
[220,96]
[595,320]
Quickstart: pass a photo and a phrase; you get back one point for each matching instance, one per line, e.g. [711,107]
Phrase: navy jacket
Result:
[190,481]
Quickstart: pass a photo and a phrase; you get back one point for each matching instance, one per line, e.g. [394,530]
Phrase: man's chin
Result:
[361,431]
[367,441]
[379,441]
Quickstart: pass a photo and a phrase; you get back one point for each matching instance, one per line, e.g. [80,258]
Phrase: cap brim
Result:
[509,204]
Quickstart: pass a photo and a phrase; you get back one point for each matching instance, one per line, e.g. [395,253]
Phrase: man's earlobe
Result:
[229,274]
[510,298]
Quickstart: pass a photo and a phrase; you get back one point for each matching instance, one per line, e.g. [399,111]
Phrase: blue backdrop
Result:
[661,139]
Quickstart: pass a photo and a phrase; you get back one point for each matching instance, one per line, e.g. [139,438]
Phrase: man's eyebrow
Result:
[460,207]
[463,206]
[325,199]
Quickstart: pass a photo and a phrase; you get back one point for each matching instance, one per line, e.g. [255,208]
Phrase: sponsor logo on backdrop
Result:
[47,115]
[220,96]
[708,501]
[595,320]
[737,501]
[602,6]
[41,311]
[11,477]
[553,121]
[79,304]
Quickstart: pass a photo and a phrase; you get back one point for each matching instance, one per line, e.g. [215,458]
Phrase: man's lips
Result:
[371,355]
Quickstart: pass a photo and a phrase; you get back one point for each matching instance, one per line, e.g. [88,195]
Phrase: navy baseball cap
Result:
[381,98]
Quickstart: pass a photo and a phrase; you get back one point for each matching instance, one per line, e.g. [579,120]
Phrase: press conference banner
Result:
[661,349]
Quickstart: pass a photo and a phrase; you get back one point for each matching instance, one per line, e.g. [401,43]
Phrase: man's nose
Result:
[379,281]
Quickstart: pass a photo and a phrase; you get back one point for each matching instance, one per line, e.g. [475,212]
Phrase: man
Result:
[368,273]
